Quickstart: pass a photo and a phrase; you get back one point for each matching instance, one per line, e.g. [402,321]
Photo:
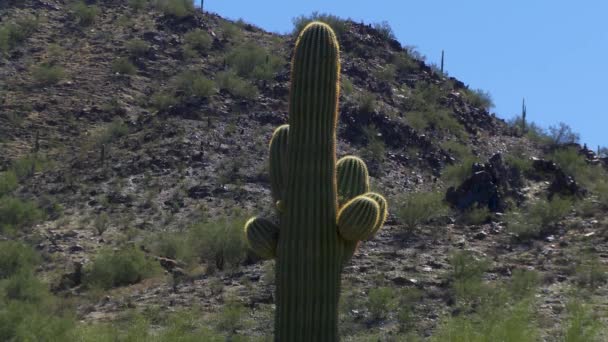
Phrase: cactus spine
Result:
[325,208]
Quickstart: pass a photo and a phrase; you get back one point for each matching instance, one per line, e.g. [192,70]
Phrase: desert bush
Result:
[380,301]
[83,14]
[198,40]
[563,134]
[17,214]
[346,86]
[479,98]
[582,323]
[138,5]
[217,243]
[375,149]
[230,30]
[26,165]
[45,74]
[111,132]
[123,65]
[385,30]
[454,175]
[476,216]
[176,8]
[339,25]
[404,63]
[466,275]
[16,32]
[537,217]
[386,73]
[459,150]
[8,182]
[101,223]
[521,163]
[121,267]
[366,102]
[589,270]
[193,85]
[420,207]
[235,85]
[137,48]
[232,316]
[16,257]
[163,100]
[253,61]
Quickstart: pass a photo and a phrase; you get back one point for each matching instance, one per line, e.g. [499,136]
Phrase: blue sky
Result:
[553,53]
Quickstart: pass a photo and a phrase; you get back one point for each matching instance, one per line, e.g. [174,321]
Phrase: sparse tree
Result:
[563,134]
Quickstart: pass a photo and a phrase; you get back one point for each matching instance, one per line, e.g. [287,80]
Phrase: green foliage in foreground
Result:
[420,207]
[16,213]
[219,243]
[537,217]
[118,268]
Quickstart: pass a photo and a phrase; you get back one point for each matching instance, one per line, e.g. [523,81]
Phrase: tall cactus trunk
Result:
[309,250]
[321,224]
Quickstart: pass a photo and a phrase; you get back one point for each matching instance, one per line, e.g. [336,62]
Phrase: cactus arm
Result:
[353,178]
[262,237]
[278,162]
[358,218]
[383,206]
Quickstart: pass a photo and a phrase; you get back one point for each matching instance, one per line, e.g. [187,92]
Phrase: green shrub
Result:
[589,270]
[582,324]
[137,48]
[176,8]
[163,100]
[476,216]
[101,223]
[193,85]
[420,207]
[522,163]
[253,61]
[230,30]
[217,243]
[118,268]
[26,165]
[523,283]
[537,217]
[404,63]
[479,98]
[138,5]
[386,73]
[45,74]
[346,86]
[366,102]
[454,175]
[232,316]
[8,182]
[563,134]
[16,214]
[339,25]
[467,272]
[385,30]
[123,66]
[380,301]
[375,149]
[14,33]
[457,149]
[16,257]
[231,82]
[83,14]
[111,132]
[198,40]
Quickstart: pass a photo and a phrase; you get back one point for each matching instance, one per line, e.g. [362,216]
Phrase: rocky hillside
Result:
[133,140]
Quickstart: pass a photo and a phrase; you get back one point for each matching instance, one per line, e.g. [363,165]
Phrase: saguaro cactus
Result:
[321,223]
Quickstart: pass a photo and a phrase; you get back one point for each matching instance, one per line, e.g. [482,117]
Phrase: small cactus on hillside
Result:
[325,208]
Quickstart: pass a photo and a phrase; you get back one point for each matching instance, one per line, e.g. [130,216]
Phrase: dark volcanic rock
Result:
[489,186]
[561,184]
